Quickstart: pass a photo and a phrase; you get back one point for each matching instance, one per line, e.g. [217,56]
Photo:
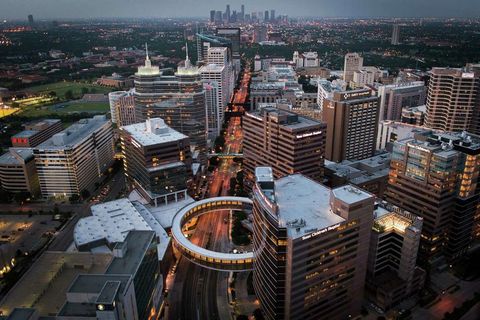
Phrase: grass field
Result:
[62,87]
[7,112]
[66,108]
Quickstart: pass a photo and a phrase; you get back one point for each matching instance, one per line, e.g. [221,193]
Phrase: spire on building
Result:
[148,63]
[188,64]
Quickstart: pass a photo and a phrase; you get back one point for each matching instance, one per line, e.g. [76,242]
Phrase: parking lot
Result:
[26,233]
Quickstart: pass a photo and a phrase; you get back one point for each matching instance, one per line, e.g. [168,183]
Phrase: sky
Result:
[57,9]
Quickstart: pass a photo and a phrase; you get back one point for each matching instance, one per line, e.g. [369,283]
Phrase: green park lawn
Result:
[62,87]
[92,107]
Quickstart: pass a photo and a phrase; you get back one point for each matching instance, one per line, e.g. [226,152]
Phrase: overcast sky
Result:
[48,9]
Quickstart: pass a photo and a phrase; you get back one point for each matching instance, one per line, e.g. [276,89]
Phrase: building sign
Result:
[319,232]
[355,95]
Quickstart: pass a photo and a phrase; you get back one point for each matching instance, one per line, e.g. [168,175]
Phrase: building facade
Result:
[285,141]
[310,247]
[157,160]
[36,133]
[395,97]
[352,120]
[353,62]
[392,273]
[179,100]
[75,159]
[18,172]
[435,175]
[453,99]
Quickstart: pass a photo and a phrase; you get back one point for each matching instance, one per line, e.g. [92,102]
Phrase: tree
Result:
[74,198]
[69,95]
[258,314]
[20,197]
[84,90]
[52,93]
[85,194]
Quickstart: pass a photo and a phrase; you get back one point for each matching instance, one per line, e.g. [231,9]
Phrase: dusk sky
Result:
[48,9]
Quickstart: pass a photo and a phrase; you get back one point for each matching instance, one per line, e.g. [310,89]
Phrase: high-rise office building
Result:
[453,99]
[212,16]
[219,75]
[207,41]
[214,110]
[179,100]
[75,159]
[122,107]
[242,14]
[227,14]
[310,247]
[353,62]
[352,125]
[233,34]
[285,141]
[218,17]
[266,16]
[31,22]
[396,35]
[157,160]
[392,273]
[272,15]
[395,97]
[435,175]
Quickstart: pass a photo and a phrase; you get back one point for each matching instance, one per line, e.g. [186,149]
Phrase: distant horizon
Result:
[145,9]
[40,19]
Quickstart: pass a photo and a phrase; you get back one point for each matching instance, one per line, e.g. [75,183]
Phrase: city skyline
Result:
[51,9]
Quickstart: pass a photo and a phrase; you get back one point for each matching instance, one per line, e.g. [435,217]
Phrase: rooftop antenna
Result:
[147,58]
[187,59]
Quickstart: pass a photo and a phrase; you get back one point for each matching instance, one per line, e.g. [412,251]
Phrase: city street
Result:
[205,291]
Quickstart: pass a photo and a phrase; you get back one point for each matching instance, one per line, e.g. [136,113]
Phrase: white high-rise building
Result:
[353,62]
[122,107]
[218,74]
[326,89]
[73,160]
[213,111]
[219,56]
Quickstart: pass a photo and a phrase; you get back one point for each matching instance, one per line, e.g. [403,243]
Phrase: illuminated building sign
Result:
[319,232]
[315,133]
[354,95]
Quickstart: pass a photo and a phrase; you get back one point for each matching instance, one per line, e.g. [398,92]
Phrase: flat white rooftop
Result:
[152,132]
[303,205]
[114,220]
[74,134]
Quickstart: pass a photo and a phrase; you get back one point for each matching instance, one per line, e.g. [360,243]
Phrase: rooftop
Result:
[303,205]
[44,285]
[16,156]
[114,220]
[361,171]
[152,132]
[285,118]
[212,68]
[74,134]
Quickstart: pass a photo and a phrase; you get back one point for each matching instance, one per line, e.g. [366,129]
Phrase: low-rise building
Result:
[392,273]
[370,174]
[36,133]
[18,172]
